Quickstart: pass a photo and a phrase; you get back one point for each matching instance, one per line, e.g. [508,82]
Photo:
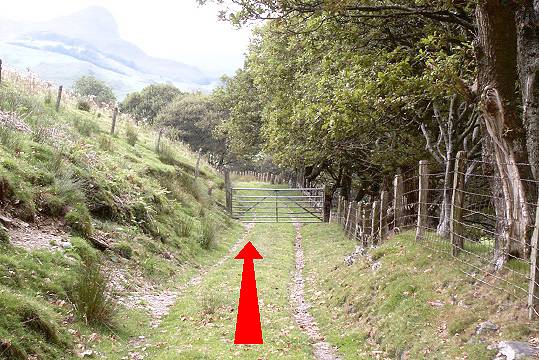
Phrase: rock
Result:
[66,245]
[487,326]
[515,350]
[376,266]
[351,259]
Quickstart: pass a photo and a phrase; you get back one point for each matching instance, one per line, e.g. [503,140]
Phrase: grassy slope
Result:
[202,324]
[144,204]
[370,313]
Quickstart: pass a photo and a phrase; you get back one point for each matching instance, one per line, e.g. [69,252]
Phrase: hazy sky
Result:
[173,29]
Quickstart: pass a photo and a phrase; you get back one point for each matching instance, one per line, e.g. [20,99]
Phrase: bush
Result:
[207,233]
[89,294]
[131,135]
[80,221]
[167,154]
[106,143]
[85,127]
[124,250]
[83,105]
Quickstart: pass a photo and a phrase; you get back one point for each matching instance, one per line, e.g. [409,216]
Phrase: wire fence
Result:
[469,213]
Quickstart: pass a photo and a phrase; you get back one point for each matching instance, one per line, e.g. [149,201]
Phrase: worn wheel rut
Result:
[322,349]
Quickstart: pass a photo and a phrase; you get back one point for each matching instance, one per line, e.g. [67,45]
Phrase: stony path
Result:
[322,350]
[158,304]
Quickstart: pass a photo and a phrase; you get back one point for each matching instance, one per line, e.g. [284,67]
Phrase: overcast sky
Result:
[173,29]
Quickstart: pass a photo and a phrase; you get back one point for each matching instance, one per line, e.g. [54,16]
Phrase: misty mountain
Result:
[89,42]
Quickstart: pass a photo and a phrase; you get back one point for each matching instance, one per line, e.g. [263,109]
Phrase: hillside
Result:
[89,42]
[93,225]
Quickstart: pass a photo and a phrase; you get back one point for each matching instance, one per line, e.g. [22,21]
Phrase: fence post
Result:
[347,223]
[533,288]
[114,115]
[398,193]
[423,199]
[457,204]
[375,221]
[228,191]
[383,215]
[365,237]
[326,205]
[197,167]
[59,98]
[358,231]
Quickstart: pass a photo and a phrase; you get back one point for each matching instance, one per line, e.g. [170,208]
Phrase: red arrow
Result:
[248,327]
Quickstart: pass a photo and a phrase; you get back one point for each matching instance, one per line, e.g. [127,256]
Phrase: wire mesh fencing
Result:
[465,211]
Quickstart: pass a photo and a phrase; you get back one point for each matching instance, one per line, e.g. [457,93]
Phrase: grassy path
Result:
[201,325]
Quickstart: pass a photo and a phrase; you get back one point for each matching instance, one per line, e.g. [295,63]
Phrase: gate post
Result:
[326,205]
[228,191]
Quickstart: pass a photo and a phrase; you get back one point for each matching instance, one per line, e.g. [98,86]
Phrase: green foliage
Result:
[85,126]
[131,134]
[106,143]
[89,294]
[89,86]
[83,105]
[208,233]
[195,118]
[80,221]
[146,104]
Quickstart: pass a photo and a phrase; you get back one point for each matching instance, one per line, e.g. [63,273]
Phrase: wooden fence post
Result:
[457,204]
[375,221]
[383,230]
[365,236]
[326,205]
[228,191]
[358,230]
[398,191]
[422,217]
[347,223]
[114,115]
[197,167]
[59,98]
[533,288]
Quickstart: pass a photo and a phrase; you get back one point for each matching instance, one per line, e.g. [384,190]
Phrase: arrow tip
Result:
[249,252]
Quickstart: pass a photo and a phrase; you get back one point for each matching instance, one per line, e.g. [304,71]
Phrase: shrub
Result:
[83,105]
[124,250]
[4,236]
[80,221]
[89,294]
[207,233]
[166,153]
[106,143]
[85,126]
[131,134]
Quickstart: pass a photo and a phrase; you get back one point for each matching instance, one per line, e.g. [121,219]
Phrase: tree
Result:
[195,118]
[146,104]
[89,86]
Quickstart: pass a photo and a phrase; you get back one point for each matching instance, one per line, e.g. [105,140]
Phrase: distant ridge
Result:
[89,42]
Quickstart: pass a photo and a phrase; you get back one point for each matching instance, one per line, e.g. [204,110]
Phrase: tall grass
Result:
[89,294]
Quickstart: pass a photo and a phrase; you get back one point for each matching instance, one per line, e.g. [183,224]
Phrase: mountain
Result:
[89,42]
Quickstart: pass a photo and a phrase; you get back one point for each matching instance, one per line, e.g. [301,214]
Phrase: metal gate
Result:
[261,205]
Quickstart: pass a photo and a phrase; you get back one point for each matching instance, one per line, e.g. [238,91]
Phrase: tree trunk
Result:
[527,21]
[497,71]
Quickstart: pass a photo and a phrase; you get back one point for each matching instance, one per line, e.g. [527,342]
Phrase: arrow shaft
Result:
[248,326]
